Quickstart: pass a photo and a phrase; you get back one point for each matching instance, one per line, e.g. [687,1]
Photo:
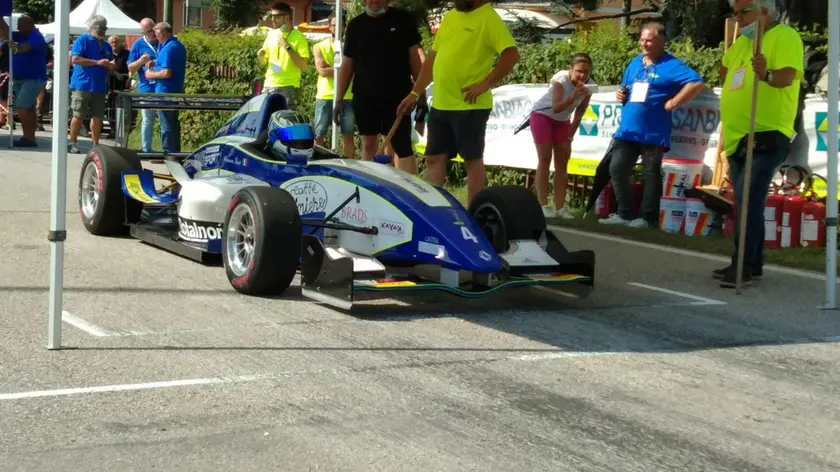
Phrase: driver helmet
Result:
[289,133]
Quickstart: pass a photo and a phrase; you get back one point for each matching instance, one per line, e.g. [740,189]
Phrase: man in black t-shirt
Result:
[382,56]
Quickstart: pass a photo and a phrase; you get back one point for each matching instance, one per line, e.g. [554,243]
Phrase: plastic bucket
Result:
[698,219]
[679,175]
[672,214]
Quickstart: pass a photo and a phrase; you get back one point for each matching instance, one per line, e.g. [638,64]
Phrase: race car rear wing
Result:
[127,102]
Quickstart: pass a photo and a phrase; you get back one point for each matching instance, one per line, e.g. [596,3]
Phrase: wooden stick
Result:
[745,198]
[721,166]
[390,135]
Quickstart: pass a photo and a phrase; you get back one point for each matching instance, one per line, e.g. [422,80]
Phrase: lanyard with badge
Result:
[156,51]
[276,65]
[640,87]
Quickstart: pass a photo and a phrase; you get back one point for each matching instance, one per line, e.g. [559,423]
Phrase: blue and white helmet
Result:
[289,133]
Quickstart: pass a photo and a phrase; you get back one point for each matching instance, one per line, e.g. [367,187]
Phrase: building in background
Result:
[198,14]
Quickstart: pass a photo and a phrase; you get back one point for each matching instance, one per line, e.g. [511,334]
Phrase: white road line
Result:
[697,299]
[85,326]
[684,252]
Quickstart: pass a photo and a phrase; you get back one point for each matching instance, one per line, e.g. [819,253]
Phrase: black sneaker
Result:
[23,142]
[728,280]
[720,273]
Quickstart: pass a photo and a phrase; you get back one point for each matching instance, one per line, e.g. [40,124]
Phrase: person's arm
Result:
[299,53]
[785,63]
[505,46]
[321,66]
[163,67]
[346,72]
[579,111]
[692,85]
[559,102]
[77,57]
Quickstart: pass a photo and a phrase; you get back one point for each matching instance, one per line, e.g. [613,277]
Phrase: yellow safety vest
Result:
[289,74]
[325,89]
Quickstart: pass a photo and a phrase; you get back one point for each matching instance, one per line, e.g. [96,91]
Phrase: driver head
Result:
[289,132]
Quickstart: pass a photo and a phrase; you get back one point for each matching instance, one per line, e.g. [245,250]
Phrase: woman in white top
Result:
[553,131]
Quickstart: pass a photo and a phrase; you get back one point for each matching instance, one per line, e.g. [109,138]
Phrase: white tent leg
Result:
[336,70]
[58,205]
[831,200]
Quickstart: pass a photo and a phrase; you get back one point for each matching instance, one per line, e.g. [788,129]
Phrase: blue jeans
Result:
[324,117]
[170,131]
[147,129]
[771,150]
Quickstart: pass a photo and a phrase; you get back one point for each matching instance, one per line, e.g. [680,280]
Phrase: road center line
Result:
[698,300]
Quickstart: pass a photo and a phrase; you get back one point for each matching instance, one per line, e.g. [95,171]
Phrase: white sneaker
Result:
[614,219]
[548,212]
[639,223]
[564,213]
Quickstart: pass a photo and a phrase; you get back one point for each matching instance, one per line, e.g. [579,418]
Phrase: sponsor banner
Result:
[199,231]
[695,130]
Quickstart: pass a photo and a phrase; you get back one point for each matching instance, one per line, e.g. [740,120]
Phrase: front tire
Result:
[506,213]
[262,238]
[103,207]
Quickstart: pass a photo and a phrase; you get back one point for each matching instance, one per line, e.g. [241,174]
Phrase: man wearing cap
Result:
[286,52]
[143,53]
[92,59]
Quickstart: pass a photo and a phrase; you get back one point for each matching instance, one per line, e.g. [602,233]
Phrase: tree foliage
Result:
[236,13]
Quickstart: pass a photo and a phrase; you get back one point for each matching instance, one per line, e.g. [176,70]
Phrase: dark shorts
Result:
[457,132]
[377,116]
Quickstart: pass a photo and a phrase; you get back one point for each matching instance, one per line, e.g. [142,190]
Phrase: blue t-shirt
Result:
[140,47]
[90,78]
[648,122]
[172,56]
[33,63]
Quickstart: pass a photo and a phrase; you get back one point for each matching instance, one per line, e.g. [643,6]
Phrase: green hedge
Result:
[609,49]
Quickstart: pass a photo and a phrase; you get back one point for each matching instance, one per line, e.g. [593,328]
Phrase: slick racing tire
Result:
[104,209]
[262,237]
[506,213]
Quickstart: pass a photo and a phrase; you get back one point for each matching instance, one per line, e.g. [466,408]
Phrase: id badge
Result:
[275,67]
[738,79]
[639,93]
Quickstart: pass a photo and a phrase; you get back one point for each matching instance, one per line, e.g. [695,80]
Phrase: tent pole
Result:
[58,196]
[831,200]
[336,69]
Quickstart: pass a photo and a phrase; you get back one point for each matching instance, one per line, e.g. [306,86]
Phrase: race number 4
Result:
[467,234]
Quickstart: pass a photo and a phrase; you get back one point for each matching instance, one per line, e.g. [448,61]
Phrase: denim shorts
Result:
[26,92]
[323,117]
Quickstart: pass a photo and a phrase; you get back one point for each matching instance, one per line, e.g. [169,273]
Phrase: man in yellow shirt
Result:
[324,53]
[779,68]
[461,65]
[286,53]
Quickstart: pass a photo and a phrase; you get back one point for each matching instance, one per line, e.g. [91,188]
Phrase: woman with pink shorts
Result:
[553,130]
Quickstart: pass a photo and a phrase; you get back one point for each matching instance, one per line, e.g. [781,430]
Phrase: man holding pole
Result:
[778,68]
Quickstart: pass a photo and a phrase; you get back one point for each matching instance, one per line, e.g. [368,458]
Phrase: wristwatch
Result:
[768,76]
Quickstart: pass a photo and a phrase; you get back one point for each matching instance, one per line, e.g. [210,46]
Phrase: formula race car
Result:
[268,201]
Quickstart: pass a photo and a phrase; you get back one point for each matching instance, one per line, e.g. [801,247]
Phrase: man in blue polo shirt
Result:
[92,59]
[168,74]
[654,84]
[30,75]
[144,51]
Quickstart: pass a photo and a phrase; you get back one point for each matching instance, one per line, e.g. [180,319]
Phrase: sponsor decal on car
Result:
[311,196]
[353,214]
[199,231]
[391,227]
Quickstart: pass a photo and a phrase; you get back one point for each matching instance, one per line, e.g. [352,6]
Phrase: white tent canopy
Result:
[118,22]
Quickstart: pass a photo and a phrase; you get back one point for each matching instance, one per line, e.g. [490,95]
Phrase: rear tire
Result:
[262,239]
[103,207]
[506,213]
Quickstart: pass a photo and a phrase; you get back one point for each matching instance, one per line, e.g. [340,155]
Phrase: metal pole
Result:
[58,204]
[831,200]
[167,12]
[336,68]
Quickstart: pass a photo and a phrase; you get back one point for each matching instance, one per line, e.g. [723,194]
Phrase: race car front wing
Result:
[334,276]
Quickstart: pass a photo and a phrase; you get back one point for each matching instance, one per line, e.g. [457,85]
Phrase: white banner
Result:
[695,130]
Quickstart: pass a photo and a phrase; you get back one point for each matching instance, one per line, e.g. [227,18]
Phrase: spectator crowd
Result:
[385,71]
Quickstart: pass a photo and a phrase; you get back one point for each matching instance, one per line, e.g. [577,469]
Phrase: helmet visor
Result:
[297,136]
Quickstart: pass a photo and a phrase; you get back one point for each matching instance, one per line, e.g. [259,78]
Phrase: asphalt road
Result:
[166,368]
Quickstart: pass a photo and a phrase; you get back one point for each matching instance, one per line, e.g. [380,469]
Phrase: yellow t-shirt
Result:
[281,70]
[466,45]
[776,107]
[325,89]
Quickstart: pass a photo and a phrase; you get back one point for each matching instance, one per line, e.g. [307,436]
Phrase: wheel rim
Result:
[489,219]
[240,239]
[90,190]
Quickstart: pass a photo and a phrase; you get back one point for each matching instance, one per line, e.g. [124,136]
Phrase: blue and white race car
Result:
[267,200]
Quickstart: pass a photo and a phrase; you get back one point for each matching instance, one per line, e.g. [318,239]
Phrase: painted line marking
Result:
[240,379]
[698,301]
[85,326]
[685,252]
